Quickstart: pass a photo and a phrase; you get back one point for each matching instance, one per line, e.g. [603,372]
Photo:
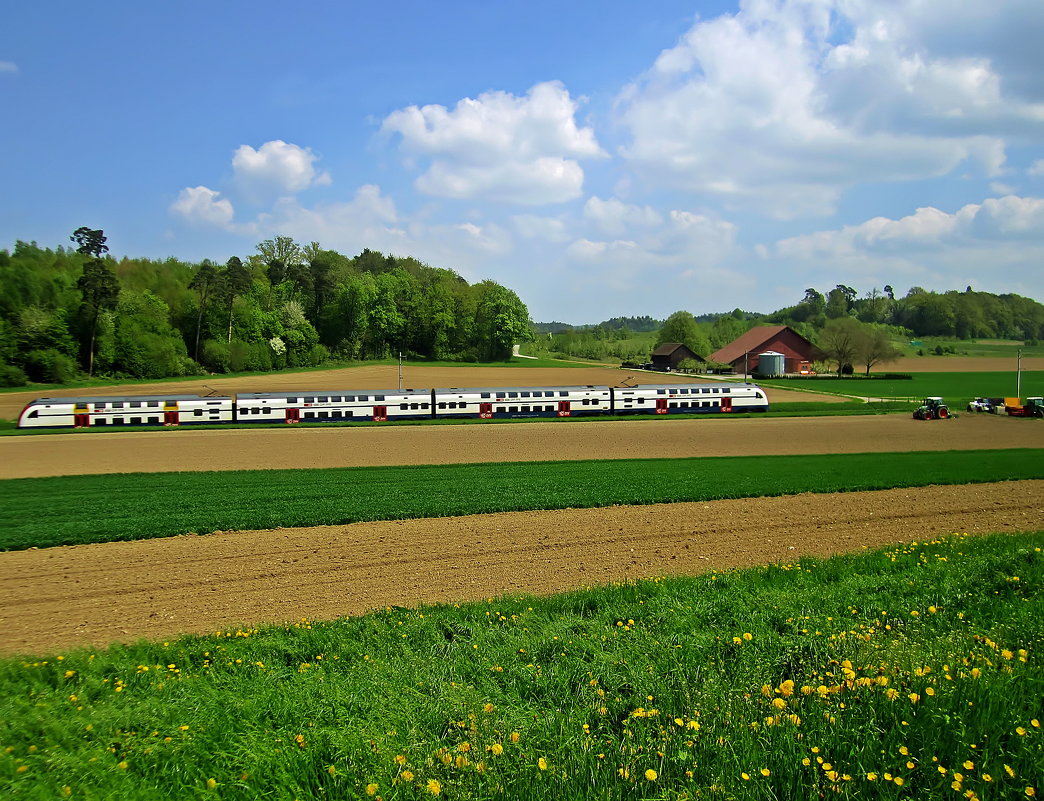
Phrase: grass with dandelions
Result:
[912,672]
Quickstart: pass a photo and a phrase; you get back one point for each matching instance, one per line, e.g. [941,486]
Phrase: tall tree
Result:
[206,282]
[236,280]
[682,327]
[839,340]
[98,285]
[874,346]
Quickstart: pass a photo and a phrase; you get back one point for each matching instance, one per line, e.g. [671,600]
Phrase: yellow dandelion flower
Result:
[766,772]
[987,777]
[871,776]
[407,775]
[745,777]
[21,769]
[1020,731]
[211,784]
[400,759]
[331,770]
[542,763]
[487,708]
[914,698]
[122,765]
[515,737]
[650,775]
[1031,792]
[968,765]
[904,750]
[806,762]
[737,641]
[434,787]
[899,781]
[371,789]
[748,636]
[929,691]
[497,749]
[1035,723]
[1010,771]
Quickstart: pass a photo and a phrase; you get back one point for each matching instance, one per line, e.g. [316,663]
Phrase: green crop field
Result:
[913,672]
[956,388]
[41,512]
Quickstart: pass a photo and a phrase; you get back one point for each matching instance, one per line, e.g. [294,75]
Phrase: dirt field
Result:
[61,598]
[297,447]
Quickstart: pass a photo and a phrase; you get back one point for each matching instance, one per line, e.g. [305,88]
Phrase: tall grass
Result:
[70,510]
[913,672]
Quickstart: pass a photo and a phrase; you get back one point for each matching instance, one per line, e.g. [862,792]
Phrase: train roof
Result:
[729,384]
[124,399]
[328,392]
[597,387]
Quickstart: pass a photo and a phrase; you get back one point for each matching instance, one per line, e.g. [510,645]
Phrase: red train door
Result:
[380,414]
[661,406]
[171,418]
[81,417]
[726,404]
[564,409]
[485,410]
[293,416]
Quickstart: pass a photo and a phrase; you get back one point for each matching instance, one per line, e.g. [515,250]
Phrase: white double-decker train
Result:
[344,406]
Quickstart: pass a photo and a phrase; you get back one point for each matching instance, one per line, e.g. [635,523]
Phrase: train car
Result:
[702,398]
[132,410]
[495,403]
[333,406]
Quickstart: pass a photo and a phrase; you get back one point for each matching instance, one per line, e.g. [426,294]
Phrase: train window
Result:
[135,404]
[117,406]
[525,394]
[512,408]
[378,397]
[135,421]
[99,406]
[153,404]
[101,421]
[442,404]
[414,406]
[549,408]
[309,414]
[322,400]
[725,391]
[198,413]
[563,395]
[322,414]
[403,407]
[34,413]
[759,395]
[153,419]
[485,394]
[661,392]
[500,408]
[291,400]
[707,403]
[705,390]
[308,400]
[363,398]
[512,394]
[335,399]
[117,421]
[525,408]
[641,400]
[673,405]
[266,410]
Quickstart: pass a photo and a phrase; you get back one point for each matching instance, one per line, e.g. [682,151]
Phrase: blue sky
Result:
[599,158]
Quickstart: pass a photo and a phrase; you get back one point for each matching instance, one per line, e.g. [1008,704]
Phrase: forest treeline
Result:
[822,318]
[70,311]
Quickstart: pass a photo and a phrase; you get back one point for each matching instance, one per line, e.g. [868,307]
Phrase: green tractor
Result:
[932,409]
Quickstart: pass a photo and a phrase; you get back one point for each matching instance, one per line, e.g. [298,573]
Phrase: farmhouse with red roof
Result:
[744,353]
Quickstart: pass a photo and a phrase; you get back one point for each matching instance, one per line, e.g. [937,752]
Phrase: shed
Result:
[669,355]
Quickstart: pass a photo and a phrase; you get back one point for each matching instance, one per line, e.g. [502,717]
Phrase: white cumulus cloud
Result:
[499,146]
[787,103]
[275,169]
[201,205]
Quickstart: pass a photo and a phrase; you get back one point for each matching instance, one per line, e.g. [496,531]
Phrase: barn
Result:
[669,355]
[744,353]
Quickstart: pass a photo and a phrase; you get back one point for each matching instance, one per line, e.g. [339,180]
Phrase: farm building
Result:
[669,355]
[770,341]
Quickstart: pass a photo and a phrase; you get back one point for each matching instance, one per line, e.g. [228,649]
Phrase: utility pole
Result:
[400,370]
[1018,373]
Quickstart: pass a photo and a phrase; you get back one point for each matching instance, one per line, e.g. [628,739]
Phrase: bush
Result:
[51,366]
[217,356]
[12,376]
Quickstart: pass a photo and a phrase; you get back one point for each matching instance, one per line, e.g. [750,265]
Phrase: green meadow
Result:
[956,388]
[912,672]
[71,510]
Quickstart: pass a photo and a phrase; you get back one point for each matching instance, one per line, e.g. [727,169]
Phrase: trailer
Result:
[1030,407]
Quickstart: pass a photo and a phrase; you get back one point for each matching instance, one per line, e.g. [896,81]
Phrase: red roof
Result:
[755,341]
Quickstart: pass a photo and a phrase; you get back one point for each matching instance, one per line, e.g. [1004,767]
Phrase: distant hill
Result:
[635,324]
